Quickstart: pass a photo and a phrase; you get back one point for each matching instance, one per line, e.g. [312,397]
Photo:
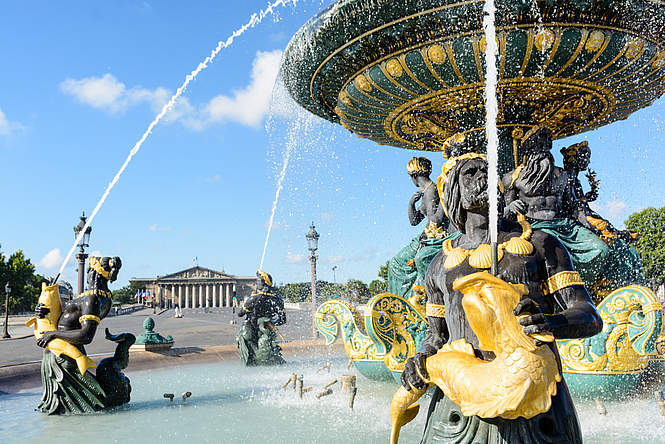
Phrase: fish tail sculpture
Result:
[519,382]
[403,409]
[50,298]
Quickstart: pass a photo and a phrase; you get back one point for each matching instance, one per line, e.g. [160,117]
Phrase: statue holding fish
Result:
[63,330]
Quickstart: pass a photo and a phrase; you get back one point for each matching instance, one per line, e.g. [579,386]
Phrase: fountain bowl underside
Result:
[411,74]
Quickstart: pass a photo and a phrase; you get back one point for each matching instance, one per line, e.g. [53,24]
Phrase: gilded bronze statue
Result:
[509,320]
[263,312]
[64,330]
[406,270]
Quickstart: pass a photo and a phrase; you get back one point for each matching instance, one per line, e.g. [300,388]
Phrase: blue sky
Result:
[81,81]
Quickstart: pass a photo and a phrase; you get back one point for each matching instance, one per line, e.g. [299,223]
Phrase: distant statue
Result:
[406,270]
[576,158]
[263,312]
[546,195]
[64,331]
[177,311]
[494,335]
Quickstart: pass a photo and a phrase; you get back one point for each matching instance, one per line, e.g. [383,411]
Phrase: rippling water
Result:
[234,404]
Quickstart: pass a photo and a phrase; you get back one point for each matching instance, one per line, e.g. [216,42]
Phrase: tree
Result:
[383,272]
[295,292]
[19,272]
[650,223]
[127,294]
[377,287]
[357,291]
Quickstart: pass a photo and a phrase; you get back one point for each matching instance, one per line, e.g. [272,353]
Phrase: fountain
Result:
[412,75]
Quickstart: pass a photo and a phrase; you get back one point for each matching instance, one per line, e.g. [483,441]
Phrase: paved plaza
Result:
[195,328]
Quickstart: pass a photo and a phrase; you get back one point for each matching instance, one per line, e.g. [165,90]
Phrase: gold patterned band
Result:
[89,318]
[435,310]
[561,280]
[96,265]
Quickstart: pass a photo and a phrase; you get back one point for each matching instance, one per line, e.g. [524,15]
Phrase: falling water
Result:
[299,125]
[491,110]
[253,21]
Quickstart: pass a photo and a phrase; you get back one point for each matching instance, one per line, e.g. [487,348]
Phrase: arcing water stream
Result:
[491,110]
[253,21]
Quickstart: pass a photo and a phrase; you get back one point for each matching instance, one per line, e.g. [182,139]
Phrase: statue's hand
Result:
[416,196]
[536,321]
[514,207]
[46,338]
[41,311]
[410,376]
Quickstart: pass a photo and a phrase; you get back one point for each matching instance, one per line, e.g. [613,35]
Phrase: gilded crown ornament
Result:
[419,165]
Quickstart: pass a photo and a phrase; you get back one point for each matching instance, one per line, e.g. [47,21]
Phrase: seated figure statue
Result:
[546,195]
[68,387]
[263,311]
[552,303]
[406,270]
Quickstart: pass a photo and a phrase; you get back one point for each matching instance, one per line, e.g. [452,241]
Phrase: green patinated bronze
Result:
[150,337]
[410,74]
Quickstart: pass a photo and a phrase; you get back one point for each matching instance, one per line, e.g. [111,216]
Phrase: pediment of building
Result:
[196,273]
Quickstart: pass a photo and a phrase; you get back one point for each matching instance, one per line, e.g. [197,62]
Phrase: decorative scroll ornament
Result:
[435,310]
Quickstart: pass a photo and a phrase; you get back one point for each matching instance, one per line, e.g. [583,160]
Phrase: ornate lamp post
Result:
[81,256]
[8,290]
[313,244]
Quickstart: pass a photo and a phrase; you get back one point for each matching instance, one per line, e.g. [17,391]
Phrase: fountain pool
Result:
[229,401]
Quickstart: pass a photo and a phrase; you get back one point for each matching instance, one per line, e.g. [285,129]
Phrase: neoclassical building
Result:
[198,287]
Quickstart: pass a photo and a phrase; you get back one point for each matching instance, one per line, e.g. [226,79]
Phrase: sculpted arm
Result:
[576,316]
[437,334]
[78,336]
[415,215]
[511,199]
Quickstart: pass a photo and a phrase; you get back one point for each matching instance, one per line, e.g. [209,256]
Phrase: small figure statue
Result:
[576,158]
[406,270]
[545,194]
[547,297]
[68,386]
[263,312]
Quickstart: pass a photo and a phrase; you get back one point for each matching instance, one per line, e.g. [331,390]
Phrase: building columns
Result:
[180,297]
[227,290]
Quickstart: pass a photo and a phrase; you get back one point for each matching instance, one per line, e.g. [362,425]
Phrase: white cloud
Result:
[247,106]
[7,127]
[295,258]
[155,228]
[212,179]
[612,210]
[327,217]
[51,259]
[110,94]
[96,253]
[334,259]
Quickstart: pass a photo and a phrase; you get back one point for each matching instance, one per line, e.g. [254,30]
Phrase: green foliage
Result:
[127,294]
[650,223]
[383,273]
[356,291]
[377,287]
[24,282]
[302,291]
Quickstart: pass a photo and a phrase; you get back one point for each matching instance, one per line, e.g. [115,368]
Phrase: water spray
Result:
[491,112]
[254,20]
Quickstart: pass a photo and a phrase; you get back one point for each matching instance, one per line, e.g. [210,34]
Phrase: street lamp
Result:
[81,256]
[8,290]
[313,244]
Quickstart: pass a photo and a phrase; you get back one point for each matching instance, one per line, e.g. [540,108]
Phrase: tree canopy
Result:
[25,284]
[650,223]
